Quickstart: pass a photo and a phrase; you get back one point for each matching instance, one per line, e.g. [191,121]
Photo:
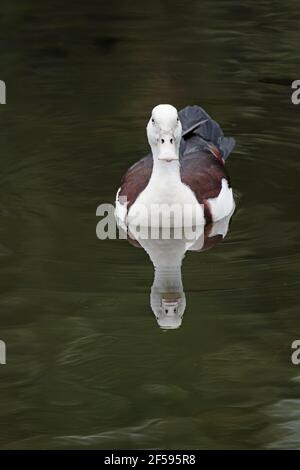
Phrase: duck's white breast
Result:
[158,201]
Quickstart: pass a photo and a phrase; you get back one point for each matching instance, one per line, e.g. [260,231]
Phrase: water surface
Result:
[87,365]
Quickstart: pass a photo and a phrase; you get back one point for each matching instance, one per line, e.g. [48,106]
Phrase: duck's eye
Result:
[171,141]
[153,122]
[178,119]
[162,141]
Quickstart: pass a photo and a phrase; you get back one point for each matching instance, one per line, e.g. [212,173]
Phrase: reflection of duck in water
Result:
[167,298]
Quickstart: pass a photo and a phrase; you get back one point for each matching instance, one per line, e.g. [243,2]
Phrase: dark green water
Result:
[87,365]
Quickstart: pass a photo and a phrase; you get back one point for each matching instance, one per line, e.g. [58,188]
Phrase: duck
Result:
[183,181]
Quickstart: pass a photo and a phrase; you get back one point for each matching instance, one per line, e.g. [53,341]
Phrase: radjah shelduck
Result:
[185,172]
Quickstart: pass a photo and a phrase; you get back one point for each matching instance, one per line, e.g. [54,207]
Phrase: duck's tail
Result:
[196,121]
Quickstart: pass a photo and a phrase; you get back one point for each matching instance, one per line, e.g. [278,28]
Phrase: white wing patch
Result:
[120,210]
[223,204]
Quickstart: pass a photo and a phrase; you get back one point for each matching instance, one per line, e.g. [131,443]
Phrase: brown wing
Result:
[200,170]
[203,172]
[136,179]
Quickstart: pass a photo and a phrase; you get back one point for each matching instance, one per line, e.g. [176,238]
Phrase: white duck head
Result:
[164,133]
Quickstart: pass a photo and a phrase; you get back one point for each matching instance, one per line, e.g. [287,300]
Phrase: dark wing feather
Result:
[190,117]
[197,122]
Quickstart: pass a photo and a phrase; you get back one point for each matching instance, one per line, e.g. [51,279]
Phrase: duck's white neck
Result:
[164,170]
[166,256]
